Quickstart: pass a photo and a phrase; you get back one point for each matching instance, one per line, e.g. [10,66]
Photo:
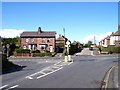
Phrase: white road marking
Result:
[48,69]
[57,62]
[29,77]
[3,86]
[42,72]
[70,63]
[56,67]
[49,73]
[13,87]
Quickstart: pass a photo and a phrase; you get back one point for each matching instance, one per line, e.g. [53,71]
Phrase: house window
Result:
[48,40]
[24,47]
[43,40]
[42,47]
[27,40]
[31,40]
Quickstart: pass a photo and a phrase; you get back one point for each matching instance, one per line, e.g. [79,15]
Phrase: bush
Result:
[113,49]
[36,51]
[73,49]
[5,63]
[38,54]
[41,54]
[48,54]
[104,49]
[47,51]
[4,57]
[22,50]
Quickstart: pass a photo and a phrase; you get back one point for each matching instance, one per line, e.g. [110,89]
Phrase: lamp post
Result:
[7,50]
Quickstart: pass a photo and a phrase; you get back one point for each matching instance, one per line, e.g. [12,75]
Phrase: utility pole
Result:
[94,40]
[64,36]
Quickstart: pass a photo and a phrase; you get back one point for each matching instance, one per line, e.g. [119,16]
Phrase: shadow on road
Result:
[12,69]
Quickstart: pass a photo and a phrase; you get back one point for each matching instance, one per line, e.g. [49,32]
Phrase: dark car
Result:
[90,48]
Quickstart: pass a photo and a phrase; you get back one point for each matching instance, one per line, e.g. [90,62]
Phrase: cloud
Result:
[97,37]
[10,33]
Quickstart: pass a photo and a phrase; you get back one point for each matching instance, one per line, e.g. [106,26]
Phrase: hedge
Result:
[22,50]
[36,51]
[38,54]
[111,49]
[41,54]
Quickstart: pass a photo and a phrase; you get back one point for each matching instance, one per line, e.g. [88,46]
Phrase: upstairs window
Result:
[31,40]
[26,40]
[43,40]
[48,40]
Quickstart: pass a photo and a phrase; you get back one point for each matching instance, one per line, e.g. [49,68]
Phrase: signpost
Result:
[68,57]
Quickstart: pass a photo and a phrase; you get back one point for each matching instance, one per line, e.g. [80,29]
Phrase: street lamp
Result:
[7,50]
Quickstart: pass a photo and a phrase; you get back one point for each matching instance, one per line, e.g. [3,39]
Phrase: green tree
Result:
[88,44]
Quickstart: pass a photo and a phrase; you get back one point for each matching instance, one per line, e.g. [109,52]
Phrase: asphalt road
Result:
[84,72]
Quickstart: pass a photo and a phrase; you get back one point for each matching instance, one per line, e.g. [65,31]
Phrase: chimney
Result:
[39,30]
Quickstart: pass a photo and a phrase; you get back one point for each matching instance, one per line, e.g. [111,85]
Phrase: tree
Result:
[88,44]
[13,42]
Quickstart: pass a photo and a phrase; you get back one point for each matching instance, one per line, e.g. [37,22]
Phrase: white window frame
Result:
[43,40]
[31,39]
[44,46]
[27,40]
[48,40]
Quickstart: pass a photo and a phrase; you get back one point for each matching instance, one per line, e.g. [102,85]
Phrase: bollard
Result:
[66,59]
[69,58]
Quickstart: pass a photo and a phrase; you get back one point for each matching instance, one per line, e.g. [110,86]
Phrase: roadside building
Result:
[113,39]
[40,40]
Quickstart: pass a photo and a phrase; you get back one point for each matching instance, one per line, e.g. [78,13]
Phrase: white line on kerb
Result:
[13,87]
[49,73]
[3,86]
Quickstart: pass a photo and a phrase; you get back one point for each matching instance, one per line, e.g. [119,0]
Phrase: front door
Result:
[51,48]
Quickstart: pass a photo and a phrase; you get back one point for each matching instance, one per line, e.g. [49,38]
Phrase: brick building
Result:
[113,39]
[39,40]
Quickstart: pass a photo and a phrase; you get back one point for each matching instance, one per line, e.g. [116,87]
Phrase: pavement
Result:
[113,81]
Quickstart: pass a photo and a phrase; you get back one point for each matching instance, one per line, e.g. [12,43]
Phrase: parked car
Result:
[90,48]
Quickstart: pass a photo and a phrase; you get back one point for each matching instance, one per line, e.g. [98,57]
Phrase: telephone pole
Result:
[94,40]
[64,36]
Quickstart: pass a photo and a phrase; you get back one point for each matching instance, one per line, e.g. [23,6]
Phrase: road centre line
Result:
[3,86]
[49,73]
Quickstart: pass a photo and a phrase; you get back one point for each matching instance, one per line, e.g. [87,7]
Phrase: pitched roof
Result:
[117,33]
[38,34]
[60,38]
